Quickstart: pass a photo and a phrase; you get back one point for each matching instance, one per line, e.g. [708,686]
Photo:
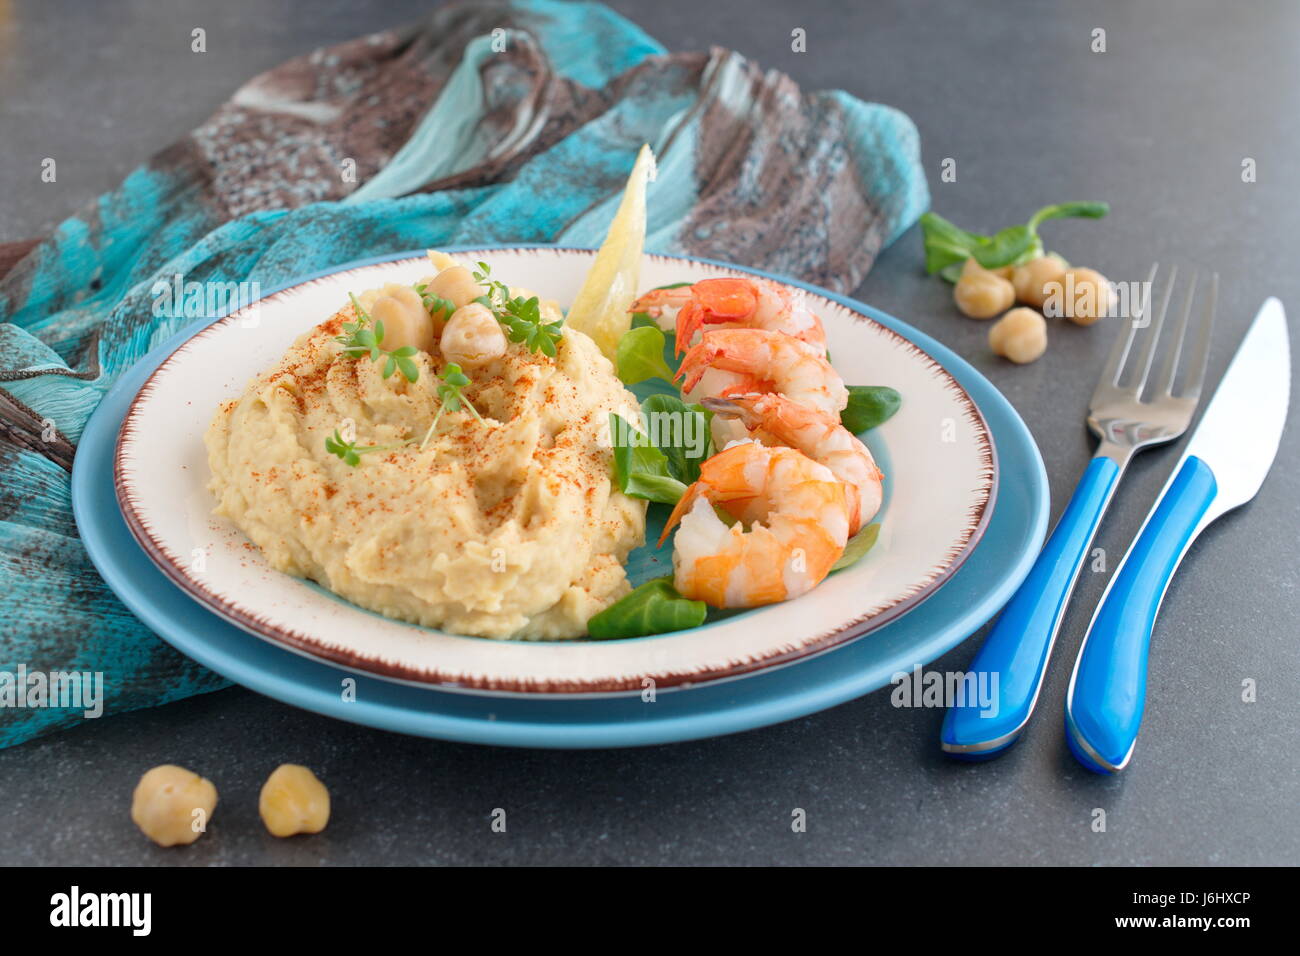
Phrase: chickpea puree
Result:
[508,527]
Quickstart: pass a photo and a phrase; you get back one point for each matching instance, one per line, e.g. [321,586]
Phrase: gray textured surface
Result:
[1158,125]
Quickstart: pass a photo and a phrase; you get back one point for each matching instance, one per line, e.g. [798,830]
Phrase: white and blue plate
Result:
[965,512]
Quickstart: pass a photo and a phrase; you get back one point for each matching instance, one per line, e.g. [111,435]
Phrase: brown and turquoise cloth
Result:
[489,122]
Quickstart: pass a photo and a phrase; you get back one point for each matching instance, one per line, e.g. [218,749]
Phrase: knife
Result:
[1223,467]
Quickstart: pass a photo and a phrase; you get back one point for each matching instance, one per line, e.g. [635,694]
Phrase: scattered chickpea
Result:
[1031,278]
[982,294]
[1092,296]
[165,802]
[972,267]
[1020,335]
[405,320]
[293,800]
[473,336]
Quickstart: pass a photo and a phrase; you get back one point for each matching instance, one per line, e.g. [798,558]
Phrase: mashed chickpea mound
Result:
[506,527]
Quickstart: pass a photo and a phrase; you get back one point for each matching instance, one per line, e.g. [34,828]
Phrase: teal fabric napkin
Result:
[490,122]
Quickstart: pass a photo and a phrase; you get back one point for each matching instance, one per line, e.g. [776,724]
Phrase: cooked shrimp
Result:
[775,419]
[762,361]
[794,526]
[735,304]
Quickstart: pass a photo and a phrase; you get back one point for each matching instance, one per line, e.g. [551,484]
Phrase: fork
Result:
[1018,649]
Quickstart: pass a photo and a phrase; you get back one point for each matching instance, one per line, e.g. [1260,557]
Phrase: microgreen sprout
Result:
[452,380]
[349,452]
[435,304]
[366,337]
[521,317]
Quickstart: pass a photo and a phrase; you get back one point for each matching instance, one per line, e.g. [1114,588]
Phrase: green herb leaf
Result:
[947,247]
[951,272]
[640,469]
[348,451]
[360,338]
[659,464]
[869,406]
[435,304]
[857,547]
[362,315]
[660,488]
[410,371]
[521,317]
[640,355]
[523,322]
[1070,210]
[653,608]
[945,243]
[681,432]
[1011,246]
[450,399]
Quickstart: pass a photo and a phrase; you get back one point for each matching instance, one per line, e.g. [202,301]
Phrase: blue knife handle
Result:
[1018,647]
[1103,709]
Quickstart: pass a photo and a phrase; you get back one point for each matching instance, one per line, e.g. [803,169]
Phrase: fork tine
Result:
[1164,383]
[1153,335]
[1201,350]
[1119,351]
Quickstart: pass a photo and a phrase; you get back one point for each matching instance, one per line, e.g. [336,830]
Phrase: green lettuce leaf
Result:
[653,608]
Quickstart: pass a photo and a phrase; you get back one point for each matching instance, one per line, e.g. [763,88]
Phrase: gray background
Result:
[1158,126]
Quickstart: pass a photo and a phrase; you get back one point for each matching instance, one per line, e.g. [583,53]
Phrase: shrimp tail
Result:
[683,505]
[696,363]
[689,320]
[655,301]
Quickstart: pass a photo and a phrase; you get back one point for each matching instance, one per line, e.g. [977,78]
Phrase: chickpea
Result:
[1020,335]
[1091,292]
[1030,280]
[982,294]
[293,800]
[172,805]
[457,285]
[972,267]
[405,320]
[473,336]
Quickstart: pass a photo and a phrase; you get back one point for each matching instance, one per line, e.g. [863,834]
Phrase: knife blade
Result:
[1223,467]
[1239,433]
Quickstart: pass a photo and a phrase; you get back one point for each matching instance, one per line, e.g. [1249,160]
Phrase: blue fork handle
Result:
[1103,708]
[1017,649]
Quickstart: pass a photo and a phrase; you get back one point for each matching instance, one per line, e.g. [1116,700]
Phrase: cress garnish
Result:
[521,317]
[366,337]
[349,452]
[433,304]
[452,380]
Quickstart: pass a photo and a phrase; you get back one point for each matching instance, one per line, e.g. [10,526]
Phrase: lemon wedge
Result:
[601,307]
